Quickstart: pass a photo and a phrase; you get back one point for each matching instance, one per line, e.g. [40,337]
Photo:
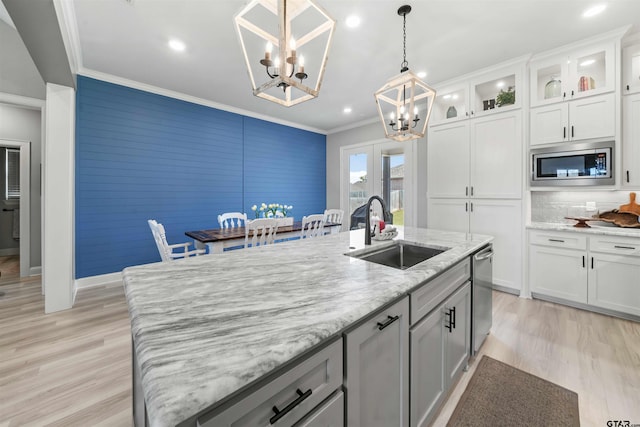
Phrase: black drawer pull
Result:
[583,264]
[627,176]
[571,131]
[564,132]
[556,240]
[624,247]
[453,317]
[279,414]
[450,325]
[390,320]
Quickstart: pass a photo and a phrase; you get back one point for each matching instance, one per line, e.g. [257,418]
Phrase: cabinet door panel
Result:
[558,272]
[614,283]
[592,117]
[496,156]
[631,140]
[458,339]
[549,124]
[377,368]
[448,160]
[501,219]
[427,373]
[448,214]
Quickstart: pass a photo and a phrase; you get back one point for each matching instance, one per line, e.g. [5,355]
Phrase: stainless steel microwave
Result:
[588,163]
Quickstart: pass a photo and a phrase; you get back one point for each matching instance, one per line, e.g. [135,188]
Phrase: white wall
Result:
[58,197]
[18,73]
[368,133]
[24,124]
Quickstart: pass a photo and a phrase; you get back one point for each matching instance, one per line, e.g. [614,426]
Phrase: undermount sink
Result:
[400,254]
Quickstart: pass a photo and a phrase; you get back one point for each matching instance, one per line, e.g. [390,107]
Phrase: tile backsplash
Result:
[553,206]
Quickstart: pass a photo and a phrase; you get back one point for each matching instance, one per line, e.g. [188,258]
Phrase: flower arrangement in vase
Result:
[274,210]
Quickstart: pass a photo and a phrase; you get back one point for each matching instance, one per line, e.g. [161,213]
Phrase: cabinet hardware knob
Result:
[624,247]
[564,94]
[279,414]
[627,87]
[389,321]
[572,94]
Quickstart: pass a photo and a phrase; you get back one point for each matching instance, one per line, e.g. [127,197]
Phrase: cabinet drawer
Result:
[331,413]
[559,240]
[294,393]
[432,293]
[615,245]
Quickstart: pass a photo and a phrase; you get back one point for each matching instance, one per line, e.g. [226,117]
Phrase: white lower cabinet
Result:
[377,369]
[597,271]
[440,348]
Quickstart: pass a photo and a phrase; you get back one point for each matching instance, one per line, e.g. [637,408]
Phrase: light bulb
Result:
[391,116]
[301,61]
[402,110]
[415,110]
[292,43]
[269,47]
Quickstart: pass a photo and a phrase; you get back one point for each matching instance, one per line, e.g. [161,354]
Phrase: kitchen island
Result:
[207,329]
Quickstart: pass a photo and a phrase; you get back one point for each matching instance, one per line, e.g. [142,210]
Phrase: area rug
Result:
[501,395]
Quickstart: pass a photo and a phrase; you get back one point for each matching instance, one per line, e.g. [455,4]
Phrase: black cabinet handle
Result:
[624,247]
[279,414]
[571,131]
[627,176]
[564,132]
[583,262]
[466,206]
[389,321]
[556,240]
[466,191]
[572,94]
[472,190]
[450,325]
[564,94]
[453,317]
[471,206]
[627,87]
[592,263]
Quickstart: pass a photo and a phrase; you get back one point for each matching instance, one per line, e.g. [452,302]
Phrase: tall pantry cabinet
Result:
[475,163]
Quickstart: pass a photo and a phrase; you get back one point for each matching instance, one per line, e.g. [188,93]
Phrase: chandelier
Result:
[405,99]
[291,28]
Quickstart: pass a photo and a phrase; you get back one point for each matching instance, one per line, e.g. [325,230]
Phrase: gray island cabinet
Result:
[299,334]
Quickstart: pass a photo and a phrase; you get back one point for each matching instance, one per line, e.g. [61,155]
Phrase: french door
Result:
[379,168]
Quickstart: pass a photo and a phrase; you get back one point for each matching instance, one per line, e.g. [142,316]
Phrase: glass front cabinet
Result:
[478,95]
[585,72]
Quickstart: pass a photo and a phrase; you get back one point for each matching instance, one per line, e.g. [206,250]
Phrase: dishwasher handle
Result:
[481,256]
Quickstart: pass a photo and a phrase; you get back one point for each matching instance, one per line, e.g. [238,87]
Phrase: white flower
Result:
[254,207]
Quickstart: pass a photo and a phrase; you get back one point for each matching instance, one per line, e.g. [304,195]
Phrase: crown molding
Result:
[69,29]
[21,101]
[352,125]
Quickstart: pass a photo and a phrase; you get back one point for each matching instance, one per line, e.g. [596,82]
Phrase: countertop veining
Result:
[207,327]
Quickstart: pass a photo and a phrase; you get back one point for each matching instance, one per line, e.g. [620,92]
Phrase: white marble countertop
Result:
[208,326]
[596,227]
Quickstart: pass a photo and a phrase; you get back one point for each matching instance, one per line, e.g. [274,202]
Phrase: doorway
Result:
[15,159]
[380,168]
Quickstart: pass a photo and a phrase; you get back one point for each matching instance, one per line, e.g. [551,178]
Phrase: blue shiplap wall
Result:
[141,156]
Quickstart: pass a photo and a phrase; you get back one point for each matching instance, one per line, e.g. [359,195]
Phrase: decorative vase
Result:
[452,112]
[553,88]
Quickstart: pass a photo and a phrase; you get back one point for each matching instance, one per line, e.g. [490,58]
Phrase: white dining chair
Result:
[260,232]
[232,219]
[312,226]
[166,250]
[334,216]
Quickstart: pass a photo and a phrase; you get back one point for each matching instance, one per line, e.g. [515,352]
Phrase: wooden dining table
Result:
[217,239]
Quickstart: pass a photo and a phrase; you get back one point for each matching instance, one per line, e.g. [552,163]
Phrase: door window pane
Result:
[12,174]
[393,185]
[358,194]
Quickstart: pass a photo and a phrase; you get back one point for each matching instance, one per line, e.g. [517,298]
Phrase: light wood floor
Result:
[9,266]
[73,368]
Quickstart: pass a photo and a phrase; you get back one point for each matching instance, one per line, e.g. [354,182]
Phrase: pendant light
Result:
[405,100]
[300,32]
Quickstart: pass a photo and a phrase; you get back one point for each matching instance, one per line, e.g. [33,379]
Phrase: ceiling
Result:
[446,38]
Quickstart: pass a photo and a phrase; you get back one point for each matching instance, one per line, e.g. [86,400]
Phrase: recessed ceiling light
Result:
[422,74]
[352,21]
[593,11]
[446,96]
[346,110]
[500,84]
[455,96]
[177,45]
[587,62]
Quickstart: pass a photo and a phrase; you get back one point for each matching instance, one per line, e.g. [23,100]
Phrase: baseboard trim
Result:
[586,307]
[10,251]
[93,281]
[35,271]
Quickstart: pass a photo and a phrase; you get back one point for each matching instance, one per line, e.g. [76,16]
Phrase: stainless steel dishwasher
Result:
[481,310]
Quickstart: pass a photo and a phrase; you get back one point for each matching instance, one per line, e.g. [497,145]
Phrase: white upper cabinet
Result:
[631,69]
[478,95]
[573,74]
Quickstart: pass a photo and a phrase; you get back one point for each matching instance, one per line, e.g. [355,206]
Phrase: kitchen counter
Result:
[596,227]
[208,327]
